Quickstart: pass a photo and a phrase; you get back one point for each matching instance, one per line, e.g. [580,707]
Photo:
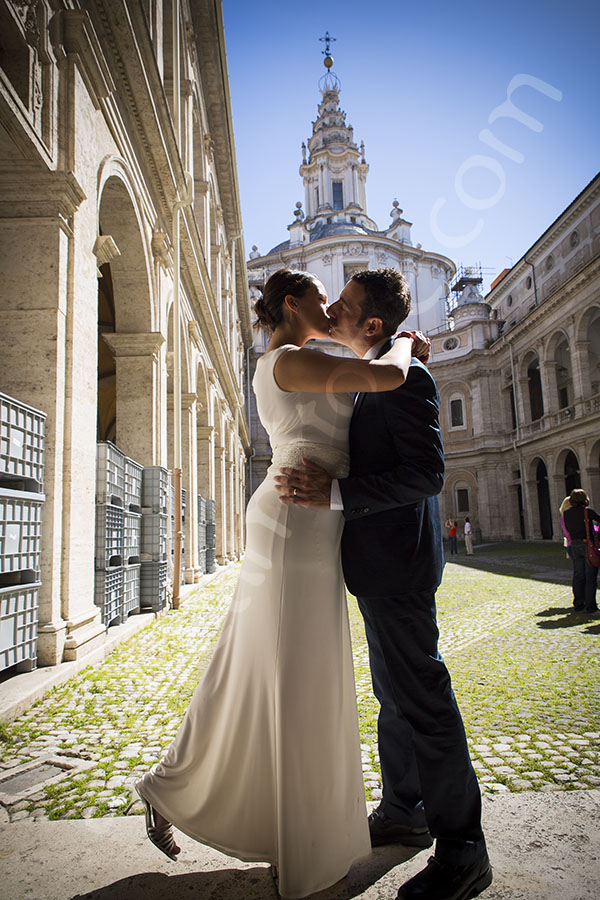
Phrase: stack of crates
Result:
[132,537]
[110,524]
[211,536]
[155,522]
[202,534]
[172,527]
[21,502]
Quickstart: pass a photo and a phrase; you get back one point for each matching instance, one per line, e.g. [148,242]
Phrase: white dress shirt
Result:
[335,498]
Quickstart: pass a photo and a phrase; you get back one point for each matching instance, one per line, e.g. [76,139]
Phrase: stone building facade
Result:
[115,129]
[519,380]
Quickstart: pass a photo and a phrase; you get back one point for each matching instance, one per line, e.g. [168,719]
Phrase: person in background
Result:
[566,537]
[452,526]
[585,577]
[468,537]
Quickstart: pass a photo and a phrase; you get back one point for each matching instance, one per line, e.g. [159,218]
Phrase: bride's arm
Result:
[319,373]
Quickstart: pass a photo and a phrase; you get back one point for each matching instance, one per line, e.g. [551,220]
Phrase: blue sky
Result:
[420,83]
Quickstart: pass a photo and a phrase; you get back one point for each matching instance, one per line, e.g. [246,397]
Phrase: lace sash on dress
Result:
[336,462]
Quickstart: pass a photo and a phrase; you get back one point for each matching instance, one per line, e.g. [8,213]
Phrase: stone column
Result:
[48,363]
[190,483]
[549,386]
[138,394]
[229,467]
[582,377]
[220,505]
[206,460]
[590,478]
[533,532]
[522,401]
[556,486]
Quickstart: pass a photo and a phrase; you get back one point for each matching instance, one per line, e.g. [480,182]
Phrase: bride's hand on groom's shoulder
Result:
[309,486]
[421,347]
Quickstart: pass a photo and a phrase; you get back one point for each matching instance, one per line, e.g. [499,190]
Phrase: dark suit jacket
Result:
[392,540]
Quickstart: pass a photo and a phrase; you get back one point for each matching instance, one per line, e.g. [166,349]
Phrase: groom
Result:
[393,561]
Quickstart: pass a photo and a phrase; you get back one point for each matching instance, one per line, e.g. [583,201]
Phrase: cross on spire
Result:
[327,39]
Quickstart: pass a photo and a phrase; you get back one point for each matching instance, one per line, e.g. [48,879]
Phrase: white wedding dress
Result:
[266,765]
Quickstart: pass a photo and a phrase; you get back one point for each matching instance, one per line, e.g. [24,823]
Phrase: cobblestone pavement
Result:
[525,670]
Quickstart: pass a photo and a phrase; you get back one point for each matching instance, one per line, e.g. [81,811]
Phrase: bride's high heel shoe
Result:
[160,835]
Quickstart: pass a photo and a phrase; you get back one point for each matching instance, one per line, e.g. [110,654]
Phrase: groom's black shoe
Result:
[440,881]
[385,831]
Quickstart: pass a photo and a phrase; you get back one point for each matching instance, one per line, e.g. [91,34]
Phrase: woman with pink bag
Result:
[579,522]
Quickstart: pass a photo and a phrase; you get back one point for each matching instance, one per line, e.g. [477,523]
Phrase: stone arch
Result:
[457,481]
[587,330]
[205,431]
[128,346]
[130,258]
[558,357]
[592,474]
[539,475]
[568,469]
[531,377]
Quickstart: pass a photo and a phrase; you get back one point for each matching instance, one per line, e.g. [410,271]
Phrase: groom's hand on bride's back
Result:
[308,486]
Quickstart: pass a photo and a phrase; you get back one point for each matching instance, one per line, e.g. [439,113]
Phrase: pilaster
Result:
[138,393]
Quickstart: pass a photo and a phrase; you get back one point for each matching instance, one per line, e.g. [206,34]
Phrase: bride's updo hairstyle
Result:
[269,307]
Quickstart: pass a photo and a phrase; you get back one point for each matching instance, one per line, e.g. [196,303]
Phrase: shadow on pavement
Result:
[226,884]
[245,884]
[518,561]
[571,618]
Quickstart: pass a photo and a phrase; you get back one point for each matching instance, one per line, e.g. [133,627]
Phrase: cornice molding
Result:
[75,31]
[35,194]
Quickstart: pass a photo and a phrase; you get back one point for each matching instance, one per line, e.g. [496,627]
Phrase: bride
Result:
[266,765]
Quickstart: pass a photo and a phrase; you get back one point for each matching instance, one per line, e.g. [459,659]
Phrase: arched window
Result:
[456,411]
[572,475]
[564,384]
[536,399]
[543,492]
[462,499]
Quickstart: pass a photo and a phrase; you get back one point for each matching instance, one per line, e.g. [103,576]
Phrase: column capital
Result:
[105,249]
[219,451]
[188,400]
[137,344]
[205,432]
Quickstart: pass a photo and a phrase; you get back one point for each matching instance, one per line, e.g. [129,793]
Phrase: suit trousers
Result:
[428,778]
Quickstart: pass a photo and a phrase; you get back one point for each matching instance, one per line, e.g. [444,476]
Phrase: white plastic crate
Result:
[21,442]
[110,474]
[20,530]
[154,536]
[153,585]
[131,589]
[109,594]
[132,537]
[211,563]
[155,489]
[133,485]
[109,535]
[210,511]
[18,626]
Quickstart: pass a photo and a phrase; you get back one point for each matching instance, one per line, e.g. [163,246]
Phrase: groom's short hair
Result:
[387,296]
